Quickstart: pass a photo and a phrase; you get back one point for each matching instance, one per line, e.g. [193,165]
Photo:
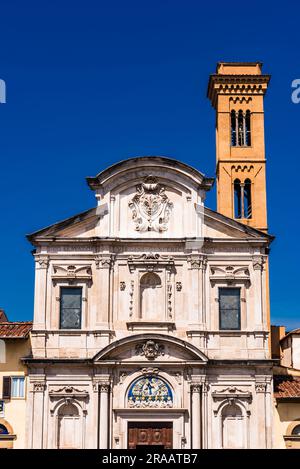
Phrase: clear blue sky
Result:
[90,83]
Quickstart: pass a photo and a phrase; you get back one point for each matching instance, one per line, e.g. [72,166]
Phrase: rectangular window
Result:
[70,308]
[18,388]
[229,308]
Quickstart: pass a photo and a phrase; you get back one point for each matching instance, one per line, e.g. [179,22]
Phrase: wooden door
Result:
[155,434]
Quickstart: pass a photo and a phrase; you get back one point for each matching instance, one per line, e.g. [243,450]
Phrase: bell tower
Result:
[237,91]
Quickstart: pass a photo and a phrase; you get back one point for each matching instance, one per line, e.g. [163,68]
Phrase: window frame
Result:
[18,377]
[73,287]
[239,289]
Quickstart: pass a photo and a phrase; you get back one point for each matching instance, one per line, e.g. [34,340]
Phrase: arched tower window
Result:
[247,199]
[69,430]
[232,427]
[240,128]
[248,129]
[151,297]
[242,199]
[233,128]
[237,199]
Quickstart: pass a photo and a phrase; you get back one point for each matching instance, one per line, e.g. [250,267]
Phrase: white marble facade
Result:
[150,260]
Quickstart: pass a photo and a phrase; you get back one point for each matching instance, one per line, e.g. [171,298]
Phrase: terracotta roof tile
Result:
[15,330]
[286,386]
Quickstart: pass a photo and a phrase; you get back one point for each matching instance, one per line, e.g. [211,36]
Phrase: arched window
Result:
[237,199]
[69,430]
[296,430]
[242,199]
[248,129]
[150,391]
[247,199]
[3,430]
[240,128]
[232,427]
[233,128]
[151,297]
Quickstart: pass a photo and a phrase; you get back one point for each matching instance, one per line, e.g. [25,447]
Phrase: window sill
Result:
[150,325]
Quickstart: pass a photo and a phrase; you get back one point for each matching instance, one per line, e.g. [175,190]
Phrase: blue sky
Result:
[90,83]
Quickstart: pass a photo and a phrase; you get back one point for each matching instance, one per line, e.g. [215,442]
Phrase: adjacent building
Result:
[14,345]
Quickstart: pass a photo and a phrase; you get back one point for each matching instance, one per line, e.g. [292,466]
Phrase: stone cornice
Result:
[236,85]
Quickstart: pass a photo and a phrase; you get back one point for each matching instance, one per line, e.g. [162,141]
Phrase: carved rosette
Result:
[150,349]
[150,206]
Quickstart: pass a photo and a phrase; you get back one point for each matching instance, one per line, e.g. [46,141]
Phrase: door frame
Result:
[176,416]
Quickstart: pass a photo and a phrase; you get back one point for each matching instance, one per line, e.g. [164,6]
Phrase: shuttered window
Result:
[6,387]
[229,308]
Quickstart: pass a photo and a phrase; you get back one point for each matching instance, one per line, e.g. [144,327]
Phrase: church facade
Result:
[151,316]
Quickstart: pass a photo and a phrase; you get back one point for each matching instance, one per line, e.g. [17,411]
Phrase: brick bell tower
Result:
[237,91]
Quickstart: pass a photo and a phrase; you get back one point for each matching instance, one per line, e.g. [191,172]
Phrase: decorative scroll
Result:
[150,206]
[150,391]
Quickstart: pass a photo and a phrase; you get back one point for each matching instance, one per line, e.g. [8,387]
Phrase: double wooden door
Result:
[150,434]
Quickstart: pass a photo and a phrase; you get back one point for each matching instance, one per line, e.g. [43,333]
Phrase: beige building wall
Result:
[14,408]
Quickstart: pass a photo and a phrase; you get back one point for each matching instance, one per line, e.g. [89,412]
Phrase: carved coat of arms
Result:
[150,206]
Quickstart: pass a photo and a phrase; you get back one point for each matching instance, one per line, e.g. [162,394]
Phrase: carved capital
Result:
[104,388]
[42,262]
[104,261]
[258,262]
[260,387]
[195,388]
[39,386]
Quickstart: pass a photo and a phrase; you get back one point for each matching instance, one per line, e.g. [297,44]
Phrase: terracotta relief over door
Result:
[155,434]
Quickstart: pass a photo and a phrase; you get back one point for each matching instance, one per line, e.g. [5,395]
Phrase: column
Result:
[104,411]
[38,414]
[204,414]
[40,292]
[196,423]
[260,388]
[103,263]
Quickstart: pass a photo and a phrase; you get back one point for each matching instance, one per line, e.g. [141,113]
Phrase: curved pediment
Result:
[150,347]
[149,197]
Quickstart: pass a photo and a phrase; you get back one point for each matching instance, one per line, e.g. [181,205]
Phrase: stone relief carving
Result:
[80,272]
[150,262]
[178,286]
[150,349]
[70,391]
[122,285]
[131,291]
[150,206]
